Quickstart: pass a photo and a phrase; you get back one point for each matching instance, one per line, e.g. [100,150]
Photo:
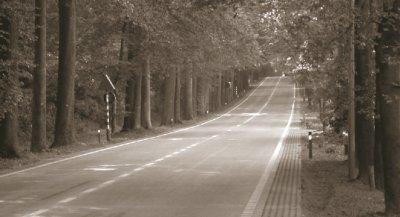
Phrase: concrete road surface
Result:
[219,168]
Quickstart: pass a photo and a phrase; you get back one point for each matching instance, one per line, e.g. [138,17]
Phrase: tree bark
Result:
[129,105]
[169,99]
[378,160]
[122,45]
[364,133]
[9,123]
[65,130]
[223,89]
[194,94]
[138,102]
[146,91]
[38,142]
[352,155]
[177,115]
[389,67]
[188,93]
[219,91]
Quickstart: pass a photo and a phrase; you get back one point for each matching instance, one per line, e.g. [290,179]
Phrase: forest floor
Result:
[326,189]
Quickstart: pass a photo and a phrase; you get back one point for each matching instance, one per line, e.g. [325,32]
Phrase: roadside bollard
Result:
[346,145]
[99,136]
[310,145]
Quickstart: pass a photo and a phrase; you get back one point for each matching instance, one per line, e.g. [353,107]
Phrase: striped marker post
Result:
[108,117]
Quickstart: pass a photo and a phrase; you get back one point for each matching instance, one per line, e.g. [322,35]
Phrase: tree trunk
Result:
[352,154]
[146,90]
[219,91]
[223,88]
[378,161]
[389,67]
[169,99]
[9,123]
[194,94]
[129,105]
[188,94]
[38,142]
[178,118]
[364,136]
[65,131]
[122,45]
[137,124]
[202,96]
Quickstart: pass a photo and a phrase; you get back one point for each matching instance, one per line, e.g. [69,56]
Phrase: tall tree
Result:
[146,100]
[138,101]
[169,99]
[177,112]
[38,143]
[65,130]
[389,69]
[129,105]
[8,76]
[219,91]
[188,100]
[364,134]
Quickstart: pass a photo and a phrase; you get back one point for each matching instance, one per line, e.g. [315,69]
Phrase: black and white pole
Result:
[310,154]
[108,117]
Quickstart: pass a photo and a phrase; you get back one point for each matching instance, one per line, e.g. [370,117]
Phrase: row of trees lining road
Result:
[330,44]
[173,60]
[170,61]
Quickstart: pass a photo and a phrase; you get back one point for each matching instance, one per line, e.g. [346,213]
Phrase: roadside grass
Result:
[326,189]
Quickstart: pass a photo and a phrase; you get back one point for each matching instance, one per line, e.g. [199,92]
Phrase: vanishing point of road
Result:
[242,163]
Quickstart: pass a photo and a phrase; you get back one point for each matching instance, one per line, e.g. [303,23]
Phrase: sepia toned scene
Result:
[199,108]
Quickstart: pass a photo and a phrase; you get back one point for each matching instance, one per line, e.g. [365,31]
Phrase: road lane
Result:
[209,170]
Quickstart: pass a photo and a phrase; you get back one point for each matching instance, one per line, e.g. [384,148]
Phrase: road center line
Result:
[112,181]
[266,103]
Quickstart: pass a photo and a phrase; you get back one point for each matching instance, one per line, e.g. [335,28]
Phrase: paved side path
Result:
[283,199]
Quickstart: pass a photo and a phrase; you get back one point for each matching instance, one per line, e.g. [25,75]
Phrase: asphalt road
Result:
[216,169]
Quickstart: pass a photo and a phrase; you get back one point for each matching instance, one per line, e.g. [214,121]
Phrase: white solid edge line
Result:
[132,142]
[255,197]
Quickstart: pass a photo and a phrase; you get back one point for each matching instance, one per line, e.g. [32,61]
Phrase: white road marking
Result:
[176,139]
[131,142]
[67,200]
[100,169]
[37,213]
[266,103]
[109,182]
[14,202]
[272,163]
[90,190]
[148,165]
